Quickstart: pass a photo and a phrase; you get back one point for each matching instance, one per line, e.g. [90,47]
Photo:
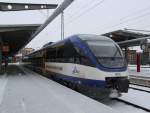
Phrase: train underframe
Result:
[117,85]
[113,88]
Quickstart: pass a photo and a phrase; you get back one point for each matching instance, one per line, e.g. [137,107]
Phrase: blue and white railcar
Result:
[89,61]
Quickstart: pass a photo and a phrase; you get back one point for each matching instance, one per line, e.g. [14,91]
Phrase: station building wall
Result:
[132,57]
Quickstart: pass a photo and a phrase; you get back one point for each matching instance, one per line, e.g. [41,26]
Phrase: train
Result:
[88,62]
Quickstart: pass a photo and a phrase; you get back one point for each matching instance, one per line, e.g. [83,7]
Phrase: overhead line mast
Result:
[58,11]
[62,26]
[25,6]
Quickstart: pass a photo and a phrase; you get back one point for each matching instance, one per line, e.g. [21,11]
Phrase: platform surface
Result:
[23,91]
[144,71]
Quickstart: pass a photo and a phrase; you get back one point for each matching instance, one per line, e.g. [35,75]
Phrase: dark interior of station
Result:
[13,38]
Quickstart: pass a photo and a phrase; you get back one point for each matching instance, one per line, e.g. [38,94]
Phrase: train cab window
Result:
[107,52]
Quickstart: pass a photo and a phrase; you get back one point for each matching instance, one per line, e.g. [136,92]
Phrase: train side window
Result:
[81,58]
[69,53]
[51,55]
[59,56]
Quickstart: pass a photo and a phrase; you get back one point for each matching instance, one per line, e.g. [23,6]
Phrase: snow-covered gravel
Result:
[122,107]
[140,87]
[137,97]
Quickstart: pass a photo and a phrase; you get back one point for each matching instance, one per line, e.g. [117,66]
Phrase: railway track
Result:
[127,104]
[134,105]
[136,100]
[140,80]
[139,89]
[136,97]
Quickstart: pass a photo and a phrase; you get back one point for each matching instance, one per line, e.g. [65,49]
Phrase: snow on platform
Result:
[25,92]
[140,87]
[137,97]
[122,107]
[145,71]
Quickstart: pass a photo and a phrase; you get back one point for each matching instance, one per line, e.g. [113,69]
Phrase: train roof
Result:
[81,36]
[93,37]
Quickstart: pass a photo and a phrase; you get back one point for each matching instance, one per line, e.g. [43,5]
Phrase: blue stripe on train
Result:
[82,81]
[78,42]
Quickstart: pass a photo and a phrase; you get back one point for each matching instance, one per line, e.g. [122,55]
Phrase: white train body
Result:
[82,71]
[85,60]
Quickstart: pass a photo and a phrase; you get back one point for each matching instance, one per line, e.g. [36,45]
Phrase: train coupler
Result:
[118,83]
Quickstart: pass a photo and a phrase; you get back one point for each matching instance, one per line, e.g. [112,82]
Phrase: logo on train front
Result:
[75,70]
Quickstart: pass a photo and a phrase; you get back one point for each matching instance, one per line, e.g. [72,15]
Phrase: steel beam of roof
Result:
[127,38]
[16,36]
[135,42]
[58,11]
[5,6]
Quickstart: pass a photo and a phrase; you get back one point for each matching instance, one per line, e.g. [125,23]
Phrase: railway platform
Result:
[23,91]
[145,71]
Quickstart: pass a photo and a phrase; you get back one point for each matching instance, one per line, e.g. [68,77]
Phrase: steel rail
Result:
[134,105]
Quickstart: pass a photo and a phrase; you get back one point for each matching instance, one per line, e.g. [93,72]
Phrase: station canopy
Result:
[15,37]
[125,35]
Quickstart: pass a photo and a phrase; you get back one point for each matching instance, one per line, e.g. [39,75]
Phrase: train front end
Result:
[109,59]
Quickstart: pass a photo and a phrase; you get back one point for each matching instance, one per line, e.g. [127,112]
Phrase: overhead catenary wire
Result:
[146,26]
[97,4]
[134,13]
[125,21]
[136,22]
[91,1]
[129,18]
[79,9]
[60,9]
[86,11]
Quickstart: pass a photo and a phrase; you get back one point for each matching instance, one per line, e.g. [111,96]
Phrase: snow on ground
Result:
[32,93]
[140,87]
[145,70]
[137,97]
[122,107]
[3,82]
